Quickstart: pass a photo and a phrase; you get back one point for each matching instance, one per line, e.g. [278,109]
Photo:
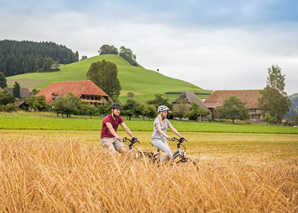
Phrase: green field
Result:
[142,82]
[49,121]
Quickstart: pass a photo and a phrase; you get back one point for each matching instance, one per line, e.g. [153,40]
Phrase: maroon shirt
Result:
[105,132]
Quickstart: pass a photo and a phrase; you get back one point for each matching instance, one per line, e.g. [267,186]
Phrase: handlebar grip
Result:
[124,139]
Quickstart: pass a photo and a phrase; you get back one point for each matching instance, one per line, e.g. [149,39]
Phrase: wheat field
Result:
[67,175]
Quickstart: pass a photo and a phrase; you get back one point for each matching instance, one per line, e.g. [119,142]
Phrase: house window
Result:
[253,110]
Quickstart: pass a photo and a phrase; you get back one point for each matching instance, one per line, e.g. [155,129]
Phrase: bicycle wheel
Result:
[179,158]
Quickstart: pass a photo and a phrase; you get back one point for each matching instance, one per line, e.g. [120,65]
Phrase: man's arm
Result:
[113,132]
[127,130]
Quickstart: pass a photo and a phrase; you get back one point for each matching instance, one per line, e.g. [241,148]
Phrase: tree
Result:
[180,108]
[84,57]
[6,98]
[105,109]
[68,105]
[104,75]
[37,103]
[195,111]
[26,56]
[48,62]
[108,49]
[127,54]
[233,108]
[130,94]
[16,90]
[296,120]
[88,109]
[3,81]
[132,108]
[274,101]
[159,100]
[34,91]
[149,111]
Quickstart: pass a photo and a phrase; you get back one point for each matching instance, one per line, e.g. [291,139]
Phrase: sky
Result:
[214,44]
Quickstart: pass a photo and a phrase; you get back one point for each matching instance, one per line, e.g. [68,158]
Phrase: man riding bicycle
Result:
[109,137]
[159,136]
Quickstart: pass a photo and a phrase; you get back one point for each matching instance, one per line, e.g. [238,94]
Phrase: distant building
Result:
[249,97]
[24,92]
[86,90]
[188,97]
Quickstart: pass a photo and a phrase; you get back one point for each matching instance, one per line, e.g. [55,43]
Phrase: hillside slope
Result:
[142,82]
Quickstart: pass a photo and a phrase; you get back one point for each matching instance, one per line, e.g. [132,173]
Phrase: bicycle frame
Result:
[178,152]
[139,153]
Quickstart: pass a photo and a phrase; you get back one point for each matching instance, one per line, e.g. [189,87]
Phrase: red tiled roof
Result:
[79,88]
[249,97]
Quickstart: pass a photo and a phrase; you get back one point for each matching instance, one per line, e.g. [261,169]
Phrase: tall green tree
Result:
[132,108]
[274,101]
[3,81]
[195,111]
[16,90]
[104,75]
[233,108]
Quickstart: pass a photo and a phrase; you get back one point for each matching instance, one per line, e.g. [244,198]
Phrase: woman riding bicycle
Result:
[159,136]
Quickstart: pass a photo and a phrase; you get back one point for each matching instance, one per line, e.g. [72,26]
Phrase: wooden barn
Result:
[86,90]
[188,97]
[249,97]
[24,92]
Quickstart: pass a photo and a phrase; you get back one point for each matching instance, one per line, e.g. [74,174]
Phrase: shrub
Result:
[11,107]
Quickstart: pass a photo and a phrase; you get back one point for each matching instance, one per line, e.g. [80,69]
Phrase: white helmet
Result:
[162,108]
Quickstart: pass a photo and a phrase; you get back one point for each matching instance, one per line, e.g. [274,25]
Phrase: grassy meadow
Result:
[50,121]
[142,82]
[68,171]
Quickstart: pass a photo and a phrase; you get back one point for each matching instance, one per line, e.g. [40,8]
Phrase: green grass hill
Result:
[142,82]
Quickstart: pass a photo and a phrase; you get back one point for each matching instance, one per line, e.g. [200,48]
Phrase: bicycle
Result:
[179,156]
[139,154]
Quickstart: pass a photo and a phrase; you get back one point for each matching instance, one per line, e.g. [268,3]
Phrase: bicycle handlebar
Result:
[180,140]
[132,141]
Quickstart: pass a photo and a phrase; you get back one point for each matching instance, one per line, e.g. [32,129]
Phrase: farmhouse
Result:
[86,90]
[187,98]
[249,97]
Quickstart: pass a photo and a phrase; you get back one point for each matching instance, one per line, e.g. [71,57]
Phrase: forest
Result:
[18,57]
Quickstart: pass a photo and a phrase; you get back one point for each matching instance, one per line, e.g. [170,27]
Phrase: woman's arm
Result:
[176,132]
[161,132]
